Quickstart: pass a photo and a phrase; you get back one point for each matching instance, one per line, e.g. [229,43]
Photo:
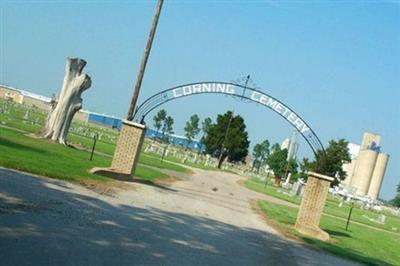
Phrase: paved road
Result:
[203,220]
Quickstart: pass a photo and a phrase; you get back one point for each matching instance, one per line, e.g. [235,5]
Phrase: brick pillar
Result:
[126,155]
[312,205]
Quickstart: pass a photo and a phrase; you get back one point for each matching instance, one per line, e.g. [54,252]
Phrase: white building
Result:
[292,146]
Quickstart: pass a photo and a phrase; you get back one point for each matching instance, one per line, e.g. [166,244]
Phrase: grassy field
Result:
[359,215]
[362,244]
[42,157]
[87,143]
[79,135]
[156,162]
[188,163]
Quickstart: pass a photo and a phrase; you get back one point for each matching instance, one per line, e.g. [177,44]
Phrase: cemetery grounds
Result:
[366,240]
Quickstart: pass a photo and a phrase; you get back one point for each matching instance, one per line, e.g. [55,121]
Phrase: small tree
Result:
[167,128]
[257,154]
[277,162]
[163,123]
[260,153]
[304,166]
[205,127]
[159,118]
[275,147]
[291,167]
[192,129]
[396,200]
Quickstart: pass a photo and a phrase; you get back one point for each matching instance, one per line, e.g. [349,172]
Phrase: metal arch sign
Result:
[237,91]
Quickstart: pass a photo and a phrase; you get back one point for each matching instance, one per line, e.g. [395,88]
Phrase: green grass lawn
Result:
[199,165]
[392,222]
[87,143]
[15,119]
[16,114]
[156,162]
[81,134]
[360,243]
[43,157]
[259,186]
[176,160]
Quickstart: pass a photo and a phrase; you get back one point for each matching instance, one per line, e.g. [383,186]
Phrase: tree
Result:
[277,162]
[257,150]
[192,129]
[227,138]
[336,155]
[260,153]
[167,127]
[275,147]
[164,123]
[396,200]
[291,167]
[159,118]
[205,127]
[304,166]
[60,117]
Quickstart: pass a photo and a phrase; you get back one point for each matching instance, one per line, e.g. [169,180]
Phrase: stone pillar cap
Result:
[130,123]
[320,176]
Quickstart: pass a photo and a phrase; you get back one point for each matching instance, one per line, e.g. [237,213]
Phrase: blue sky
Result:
[336,64]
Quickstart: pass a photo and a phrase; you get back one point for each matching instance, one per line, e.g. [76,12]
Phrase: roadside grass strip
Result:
[360,243]
[43,157]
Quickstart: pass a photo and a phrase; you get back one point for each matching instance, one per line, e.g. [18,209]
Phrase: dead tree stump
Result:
[70,101]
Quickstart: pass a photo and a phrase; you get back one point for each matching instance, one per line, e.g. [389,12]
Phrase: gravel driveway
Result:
[205,219]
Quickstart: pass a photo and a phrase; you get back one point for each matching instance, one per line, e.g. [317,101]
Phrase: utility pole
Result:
[245,85]
[131,138]
[146,54]
[289,157]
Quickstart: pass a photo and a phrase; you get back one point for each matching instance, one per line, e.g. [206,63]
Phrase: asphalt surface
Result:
[203,220]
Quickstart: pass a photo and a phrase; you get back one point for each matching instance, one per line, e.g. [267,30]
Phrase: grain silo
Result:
[370,140]
[377,175]
[363,171]
[349,169]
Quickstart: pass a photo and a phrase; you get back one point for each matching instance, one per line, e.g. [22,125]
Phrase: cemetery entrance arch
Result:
[133,130]
[237,91]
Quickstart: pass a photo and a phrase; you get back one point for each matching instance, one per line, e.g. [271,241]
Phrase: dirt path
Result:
[205,219]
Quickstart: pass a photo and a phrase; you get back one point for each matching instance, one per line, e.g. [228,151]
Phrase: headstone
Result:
[341,202]
[26,116]
[288,178]
[296,188]
[381,219]
[146,150]
[185,158]
[207,162]
[160,150]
